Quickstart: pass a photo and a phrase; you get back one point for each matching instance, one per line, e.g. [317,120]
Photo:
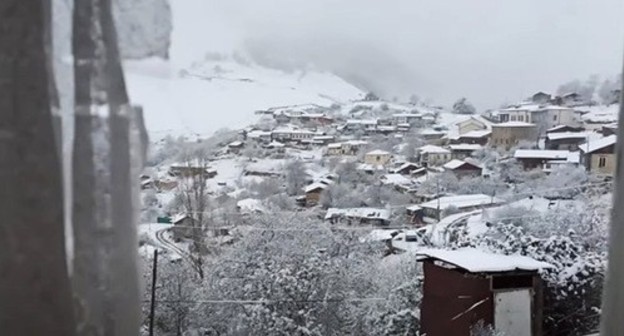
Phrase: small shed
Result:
[465,286]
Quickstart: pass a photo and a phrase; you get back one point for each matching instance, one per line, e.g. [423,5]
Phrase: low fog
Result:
[490,51]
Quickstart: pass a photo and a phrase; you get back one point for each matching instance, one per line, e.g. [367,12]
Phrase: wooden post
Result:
[108,156]
[153,298]
[613,297]
[35,297]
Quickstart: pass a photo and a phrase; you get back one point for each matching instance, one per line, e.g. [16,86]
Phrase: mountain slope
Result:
[216,94]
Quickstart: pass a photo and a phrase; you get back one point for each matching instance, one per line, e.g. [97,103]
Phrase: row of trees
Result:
[280,281]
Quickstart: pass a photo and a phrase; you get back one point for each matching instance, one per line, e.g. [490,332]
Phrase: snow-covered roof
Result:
[407,115]
[475,134]
[179,217]
[461,201]
[454,164]
[258,134]
[370,213]
[600,114]
[292,130]
[477,261]
[315,186]
[396,179]
[356,143]
[235,143]
[324,137]
[334,145]
[541,154]
[514,124]
[378,152]
[594,145]
[380,235]
[405,165]
[569,135]
[250,205]
[370,167]
[430,131]
[431,149]
[466,147]
[362,121]
[276,144]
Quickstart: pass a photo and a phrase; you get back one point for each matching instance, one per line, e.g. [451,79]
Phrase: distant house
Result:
[191,169]
[184,226]
[431,155]
[541,98]
[355,216]
[509,134]
[323,139]
[363,125]
[544,117]
[545,159]
[291,134]
[571,99]
[235,147]
[598,156]
[462,151]
[377,158]
[434,209]
[259,136]
[567,140]
[432,134]
[313,193]
[166,184]
[463,168]
[351,147]
[406,118]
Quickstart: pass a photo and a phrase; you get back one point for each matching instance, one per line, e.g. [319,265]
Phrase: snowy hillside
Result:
[217,94]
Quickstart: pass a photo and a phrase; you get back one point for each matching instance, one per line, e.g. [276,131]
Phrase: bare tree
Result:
[193,194]
[35,296]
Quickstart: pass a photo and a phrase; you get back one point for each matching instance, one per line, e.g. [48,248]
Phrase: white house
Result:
[431,155]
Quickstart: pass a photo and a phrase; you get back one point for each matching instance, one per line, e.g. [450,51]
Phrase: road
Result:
[167,244]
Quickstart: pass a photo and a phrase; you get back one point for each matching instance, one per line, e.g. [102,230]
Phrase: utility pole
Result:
[438,197]
[153,298]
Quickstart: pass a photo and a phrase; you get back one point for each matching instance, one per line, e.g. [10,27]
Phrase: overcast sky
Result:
[491,51]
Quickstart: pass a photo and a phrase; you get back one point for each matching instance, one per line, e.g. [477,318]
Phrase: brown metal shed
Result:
[465,286]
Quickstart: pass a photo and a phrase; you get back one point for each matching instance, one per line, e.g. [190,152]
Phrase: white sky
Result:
[490,51]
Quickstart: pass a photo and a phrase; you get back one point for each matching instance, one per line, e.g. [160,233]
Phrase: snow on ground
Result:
[222,94]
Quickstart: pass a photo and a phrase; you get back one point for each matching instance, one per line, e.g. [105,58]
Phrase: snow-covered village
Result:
[333,216]
[311,168]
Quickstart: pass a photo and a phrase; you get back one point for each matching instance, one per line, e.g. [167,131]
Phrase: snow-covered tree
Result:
[462,106]
[608,92]
[285,282]
[296,177]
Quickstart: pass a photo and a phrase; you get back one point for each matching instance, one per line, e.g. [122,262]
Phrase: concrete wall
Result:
[507,137]
[377,159]
[608,168]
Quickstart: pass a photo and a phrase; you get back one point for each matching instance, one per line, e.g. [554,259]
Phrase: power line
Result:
[372,299]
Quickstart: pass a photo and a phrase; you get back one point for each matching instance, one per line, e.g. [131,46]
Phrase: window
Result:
[513,118]
[378,158]
[520,118]
[602,162]
[555,118]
